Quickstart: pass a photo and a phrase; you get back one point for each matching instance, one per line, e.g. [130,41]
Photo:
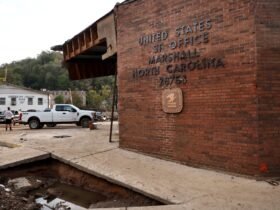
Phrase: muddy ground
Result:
[21,194]
[50,181]
[15,198]
[10,201]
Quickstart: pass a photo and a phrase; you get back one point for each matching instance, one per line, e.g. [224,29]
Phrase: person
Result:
[8,118]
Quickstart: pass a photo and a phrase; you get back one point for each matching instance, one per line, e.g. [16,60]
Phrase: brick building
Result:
[198,81]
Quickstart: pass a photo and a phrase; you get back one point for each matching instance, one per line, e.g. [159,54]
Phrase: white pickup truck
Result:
[59,114]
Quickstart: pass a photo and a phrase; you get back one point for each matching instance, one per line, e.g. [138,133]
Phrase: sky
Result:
[28,27]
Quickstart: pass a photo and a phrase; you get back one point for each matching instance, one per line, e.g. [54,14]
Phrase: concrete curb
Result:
[24,156]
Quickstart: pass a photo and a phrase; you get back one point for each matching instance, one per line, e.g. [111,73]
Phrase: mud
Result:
[52,179]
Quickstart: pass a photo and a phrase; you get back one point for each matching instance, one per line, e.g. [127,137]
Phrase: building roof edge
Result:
[25,88]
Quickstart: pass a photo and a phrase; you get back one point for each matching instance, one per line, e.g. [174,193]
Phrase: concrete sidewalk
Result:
[183,187]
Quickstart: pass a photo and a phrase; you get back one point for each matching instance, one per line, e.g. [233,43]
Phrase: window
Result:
[67,108]
[13,101]
[2,101]
[30,101]
[59,108]
[40,101]
[63,108]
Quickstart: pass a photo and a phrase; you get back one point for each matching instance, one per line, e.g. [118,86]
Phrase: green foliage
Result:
[59,99]
[77,100]
[94,99]
[101,99]
[46,72]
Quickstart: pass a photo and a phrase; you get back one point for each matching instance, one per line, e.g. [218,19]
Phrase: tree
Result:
[97,83]
[77,101]
[59,99]
[46,72]
[106,93]
[100,99]
[94,99]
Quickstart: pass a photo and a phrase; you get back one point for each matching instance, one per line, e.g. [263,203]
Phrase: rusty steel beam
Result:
[100,33]
[88,68]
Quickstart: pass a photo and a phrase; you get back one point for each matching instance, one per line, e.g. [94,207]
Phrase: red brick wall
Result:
[268,77]
[218,126]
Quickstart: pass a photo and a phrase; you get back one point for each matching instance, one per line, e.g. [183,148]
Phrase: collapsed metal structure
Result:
[92,52]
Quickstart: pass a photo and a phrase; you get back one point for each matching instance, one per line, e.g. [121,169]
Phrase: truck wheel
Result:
[85,122]
[34,124]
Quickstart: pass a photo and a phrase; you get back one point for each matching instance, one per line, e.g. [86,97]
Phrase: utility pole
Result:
[113,105]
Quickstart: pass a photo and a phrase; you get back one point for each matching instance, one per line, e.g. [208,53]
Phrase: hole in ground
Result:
[56,185]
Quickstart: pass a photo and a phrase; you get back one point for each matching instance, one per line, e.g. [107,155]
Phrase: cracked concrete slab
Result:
[174,183]
[21,155]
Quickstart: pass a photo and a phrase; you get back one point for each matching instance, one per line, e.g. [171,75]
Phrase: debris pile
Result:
[14,196]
